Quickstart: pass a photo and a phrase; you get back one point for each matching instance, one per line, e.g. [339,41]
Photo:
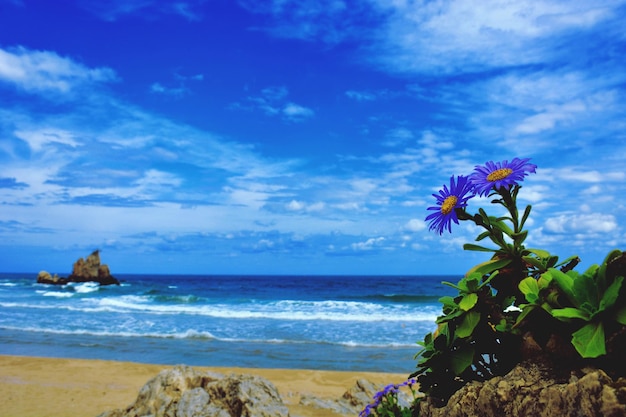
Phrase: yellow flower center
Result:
[448,204]
[499,174]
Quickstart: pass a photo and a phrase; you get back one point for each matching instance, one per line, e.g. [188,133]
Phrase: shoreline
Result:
[57,387]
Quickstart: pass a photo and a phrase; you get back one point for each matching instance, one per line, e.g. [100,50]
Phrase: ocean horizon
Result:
[346,323]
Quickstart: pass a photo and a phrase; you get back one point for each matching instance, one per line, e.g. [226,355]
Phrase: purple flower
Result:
[496,175]
[448,200]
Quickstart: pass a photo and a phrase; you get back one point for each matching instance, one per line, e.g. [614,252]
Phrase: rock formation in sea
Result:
[184,392]
[84,270]
[536,389]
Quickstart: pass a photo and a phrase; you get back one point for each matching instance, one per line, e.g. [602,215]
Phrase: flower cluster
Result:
[492,177]
[385,401]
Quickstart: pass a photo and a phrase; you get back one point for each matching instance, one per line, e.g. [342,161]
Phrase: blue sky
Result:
[301,137]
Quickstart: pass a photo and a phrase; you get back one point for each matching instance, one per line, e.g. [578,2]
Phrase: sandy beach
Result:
[50,387]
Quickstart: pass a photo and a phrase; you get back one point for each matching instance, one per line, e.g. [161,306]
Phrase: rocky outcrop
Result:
[185,392]
[533,389]
[353,401]
[84,270]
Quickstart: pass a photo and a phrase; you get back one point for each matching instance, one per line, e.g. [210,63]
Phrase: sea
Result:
[345,323]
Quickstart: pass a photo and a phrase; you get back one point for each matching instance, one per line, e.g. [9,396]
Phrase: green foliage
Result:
[519,292]
[591,300]
[516,295]
[471,342]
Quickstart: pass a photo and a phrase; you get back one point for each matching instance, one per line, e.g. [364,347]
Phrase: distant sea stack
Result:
[84,270]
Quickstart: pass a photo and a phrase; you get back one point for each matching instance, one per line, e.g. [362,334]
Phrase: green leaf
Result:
[544,280]
[473,282]
[586,291]
[503,227]
[449,284]
[468,301]
[565,282]
[540,253]
[482,236]
[471,246]
[450,316]
[537,263]
[520,237]
[610,295]
[461,359]
[525,216]
[448,301]
[484,216]
[528,286]
[589,340]
[570,313]
[526,310]
[467,326]
[489,266]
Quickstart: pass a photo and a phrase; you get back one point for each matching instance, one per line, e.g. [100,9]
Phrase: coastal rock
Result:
[353,400]
[185,392]
[533,389]
[83,270]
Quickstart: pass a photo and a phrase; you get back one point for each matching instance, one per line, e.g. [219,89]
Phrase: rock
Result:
[353,401]
[44,277]
[533,389]
[185,392]
[89,270]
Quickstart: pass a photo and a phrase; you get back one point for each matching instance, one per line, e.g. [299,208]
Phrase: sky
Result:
[302,136]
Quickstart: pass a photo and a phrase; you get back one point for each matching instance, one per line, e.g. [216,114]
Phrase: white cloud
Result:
[415,225]
[296,112]
[155,178]
[44,71]
[433,141]
[581,224]
[548,119]
[369,244]
[465,35]
[580,175]
[398,136]
[172,91]
[273,102]
[40,138]
[295,205]
[360,95]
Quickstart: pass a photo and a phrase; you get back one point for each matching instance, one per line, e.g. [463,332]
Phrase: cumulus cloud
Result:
[581,223]
[295,111]
[369,244]
[47,72]
[301,206]
[415,225]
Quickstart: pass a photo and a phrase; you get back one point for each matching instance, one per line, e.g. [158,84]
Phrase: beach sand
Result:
[50,387]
